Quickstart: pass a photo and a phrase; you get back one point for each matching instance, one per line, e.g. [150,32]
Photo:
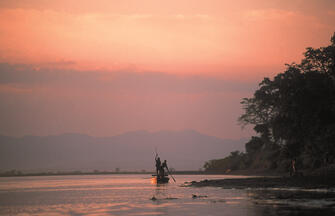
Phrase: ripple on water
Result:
[131,195]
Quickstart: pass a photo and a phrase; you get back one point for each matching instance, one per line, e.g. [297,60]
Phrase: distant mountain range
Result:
[184,150]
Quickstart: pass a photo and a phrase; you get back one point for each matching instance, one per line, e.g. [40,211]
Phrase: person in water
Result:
[158,164]
[293,170]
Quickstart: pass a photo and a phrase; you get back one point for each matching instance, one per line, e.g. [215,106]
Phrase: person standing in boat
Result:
[158,164]
[164,165]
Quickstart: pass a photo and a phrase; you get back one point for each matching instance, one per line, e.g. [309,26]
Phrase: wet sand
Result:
[306,182]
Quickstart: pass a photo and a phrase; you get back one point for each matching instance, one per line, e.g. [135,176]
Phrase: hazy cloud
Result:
[118,80]
[47,101]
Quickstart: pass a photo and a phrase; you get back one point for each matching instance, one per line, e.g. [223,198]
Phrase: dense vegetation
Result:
[293,115]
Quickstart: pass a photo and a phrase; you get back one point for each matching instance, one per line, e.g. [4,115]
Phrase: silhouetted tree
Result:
[254,145]
[294,113]
[235,161]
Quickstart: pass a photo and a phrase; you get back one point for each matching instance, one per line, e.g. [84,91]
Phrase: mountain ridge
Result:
[134,150]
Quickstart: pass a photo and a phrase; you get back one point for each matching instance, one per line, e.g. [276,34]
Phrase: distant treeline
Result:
[294,117]
[14,173]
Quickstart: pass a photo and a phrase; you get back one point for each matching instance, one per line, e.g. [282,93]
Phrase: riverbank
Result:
[303,182]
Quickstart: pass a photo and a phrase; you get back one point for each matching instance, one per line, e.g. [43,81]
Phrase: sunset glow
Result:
[106,67]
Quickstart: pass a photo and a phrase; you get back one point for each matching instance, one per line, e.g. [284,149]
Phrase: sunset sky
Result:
[106,67]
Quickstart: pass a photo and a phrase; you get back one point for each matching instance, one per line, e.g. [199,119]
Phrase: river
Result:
[132,195]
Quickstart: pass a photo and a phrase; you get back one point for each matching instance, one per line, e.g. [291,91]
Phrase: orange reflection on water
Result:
[153,180]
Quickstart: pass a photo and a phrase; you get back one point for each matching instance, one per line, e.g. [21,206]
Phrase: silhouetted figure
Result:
[158,164]
[164,165]
[293,168]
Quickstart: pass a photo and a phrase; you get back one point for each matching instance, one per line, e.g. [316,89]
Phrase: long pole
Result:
[156,154]
[170,174]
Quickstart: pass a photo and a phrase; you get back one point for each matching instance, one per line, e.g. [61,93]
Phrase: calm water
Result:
[131,195]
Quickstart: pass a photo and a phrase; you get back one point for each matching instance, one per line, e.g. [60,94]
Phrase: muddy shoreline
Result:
[306,182]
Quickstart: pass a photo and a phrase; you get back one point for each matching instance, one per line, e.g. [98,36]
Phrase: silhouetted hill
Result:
[184,150]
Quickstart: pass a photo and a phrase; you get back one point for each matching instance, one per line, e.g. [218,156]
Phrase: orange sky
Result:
[235,41]
[175,36]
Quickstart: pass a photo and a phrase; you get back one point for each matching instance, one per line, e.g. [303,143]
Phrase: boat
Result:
[159,179]
[161,176]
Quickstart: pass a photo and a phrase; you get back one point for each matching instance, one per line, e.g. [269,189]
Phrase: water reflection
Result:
[292,202]
[161,190]
[132,195]
[153,181]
